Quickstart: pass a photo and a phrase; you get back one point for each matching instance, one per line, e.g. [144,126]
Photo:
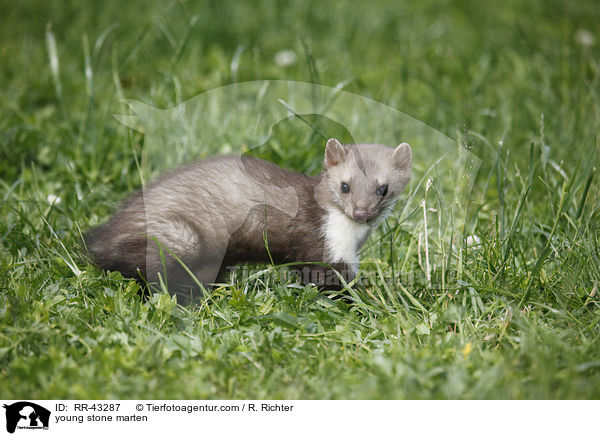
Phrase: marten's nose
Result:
[360,215]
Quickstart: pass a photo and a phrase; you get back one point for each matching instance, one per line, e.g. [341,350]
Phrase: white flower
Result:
[53,199]
[429,183]
[585,37]
[473,241]
[285,58]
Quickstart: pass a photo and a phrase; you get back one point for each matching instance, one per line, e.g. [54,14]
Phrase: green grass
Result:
[516,316]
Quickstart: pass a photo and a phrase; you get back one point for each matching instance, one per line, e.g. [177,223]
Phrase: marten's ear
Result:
[334,153]
[402,156]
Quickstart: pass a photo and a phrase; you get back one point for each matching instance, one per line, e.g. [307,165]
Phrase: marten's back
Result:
[191,214]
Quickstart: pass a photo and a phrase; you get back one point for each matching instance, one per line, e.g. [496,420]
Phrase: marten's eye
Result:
[382,190]
[344,188]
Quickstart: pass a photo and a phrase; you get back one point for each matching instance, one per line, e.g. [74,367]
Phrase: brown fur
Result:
[216,213]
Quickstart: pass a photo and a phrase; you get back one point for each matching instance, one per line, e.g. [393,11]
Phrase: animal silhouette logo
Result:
[258,119]
[26,415]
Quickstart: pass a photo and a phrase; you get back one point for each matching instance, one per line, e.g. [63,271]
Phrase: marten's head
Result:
[366,179]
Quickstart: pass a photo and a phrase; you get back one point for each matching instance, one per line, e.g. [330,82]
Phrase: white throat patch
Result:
[343,237]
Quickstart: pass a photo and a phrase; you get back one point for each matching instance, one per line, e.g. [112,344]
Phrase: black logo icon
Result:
[26,415]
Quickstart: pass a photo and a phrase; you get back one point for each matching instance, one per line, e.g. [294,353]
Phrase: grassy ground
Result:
[518,314]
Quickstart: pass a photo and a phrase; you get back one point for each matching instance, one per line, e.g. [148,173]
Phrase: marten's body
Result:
[216,213]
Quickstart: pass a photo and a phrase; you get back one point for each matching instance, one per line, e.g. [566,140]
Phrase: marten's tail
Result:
[114,246]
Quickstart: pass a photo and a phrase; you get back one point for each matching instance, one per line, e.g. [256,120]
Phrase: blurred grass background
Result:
[518,79]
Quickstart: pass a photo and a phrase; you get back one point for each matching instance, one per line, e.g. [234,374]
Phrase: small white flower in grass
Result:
[285,58]
[585,37]
[53,199]
[429,183]
[473,241]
